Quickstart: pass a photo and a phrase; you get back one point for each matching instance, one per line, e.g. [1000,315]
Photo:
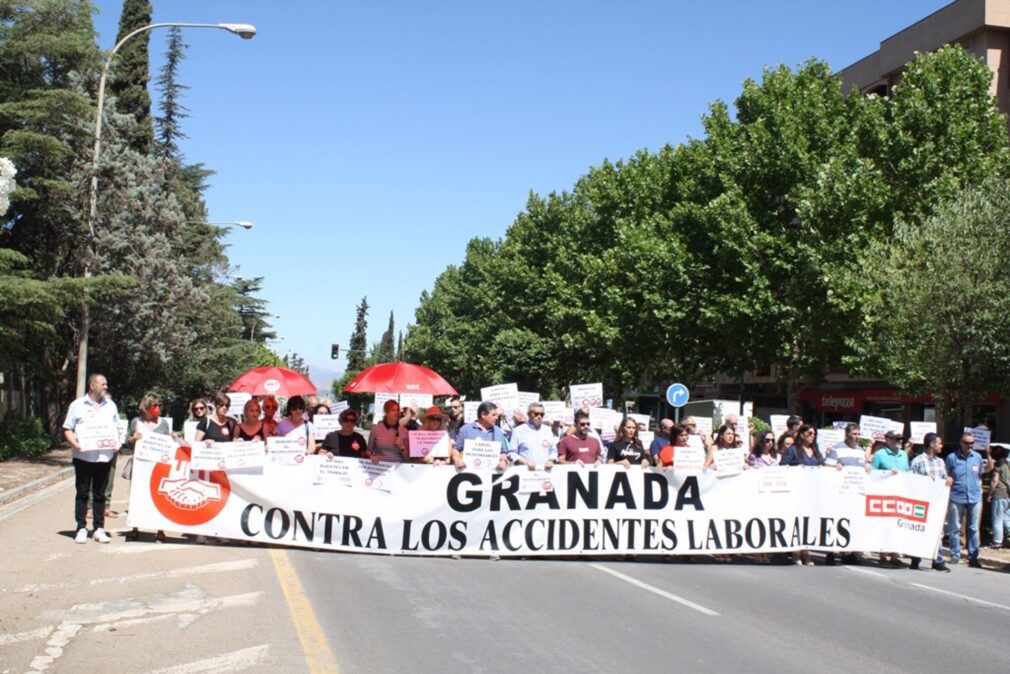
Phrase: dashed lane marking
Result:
[655,590]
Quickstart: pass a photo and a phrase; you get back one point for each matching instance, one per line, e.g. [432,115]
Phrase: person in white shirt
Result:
[533,443]
[92,465]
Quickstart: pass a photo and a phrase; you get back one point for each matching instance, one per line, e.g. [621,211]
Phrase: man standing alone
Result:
[91,466]
[965,467]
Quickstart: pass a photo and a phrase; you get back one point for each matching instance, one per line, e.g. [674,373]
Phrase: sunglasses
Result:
[536,414]
[201,408]
[584,424]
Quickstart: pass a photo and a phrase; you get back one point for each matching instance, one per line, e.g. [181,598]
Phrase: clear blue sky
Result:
[369,141]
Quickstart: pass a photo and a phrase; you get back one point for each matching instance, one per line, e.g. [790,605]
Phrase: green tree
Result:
[168,124]
[357,346]
[384,352]
[252,310]
[130,73]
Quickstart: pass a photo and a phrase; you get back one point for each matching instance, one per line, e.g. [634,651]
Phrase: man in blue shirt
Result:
[662,438]
[485,428]
[532,443]
[965,467]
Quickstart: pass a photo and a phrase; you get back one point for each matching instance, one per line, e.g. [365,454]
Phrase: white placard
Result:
[123,426]
[535,482]
[286,451]
[324,424]
[378,475]
[919,430]
[729,461]
[505,396]
[481,454]
[778,424]
[155,447]
[605,419]
[874,428]
[586,395]
[419,401]
[470,411]
[828,438]
[840,425]
[98,435]
[647,437]
[642,420]
[238,400]
[983,436]
[380,401]
[743,432]
[337,470]
[775,480]
[898,427]
[227,455]
[853,480]
[555,410]
[340,406]
[703,425]
[429,443]
[527,398]
[690,459]
[189,430]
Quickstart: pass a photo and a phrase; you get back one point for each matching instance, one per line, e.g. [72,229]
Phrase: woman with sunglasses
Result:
[220,427]
[295,424]
[764,453]
[270,407]
[347,441]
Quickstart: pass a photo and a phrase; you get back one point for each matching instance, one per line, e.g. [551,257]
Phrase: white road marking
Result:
[655,590]
[219,567]
[40,633]
[235,661]
[866,571]
[961,596]
[135,548]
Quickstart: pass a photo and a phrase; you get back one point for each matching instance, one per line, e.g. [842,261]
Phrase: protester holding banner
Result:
[149,421]
[251,428]
[764,453]
[431,421]
[388,440]
[295,424]
[484,428]
[627,448]
[785,441]
[965,466]
[91,430]
[533,443]
[850,451]
[804,452]
[220,427]
[347,441]
[580,447]
[891,457]
[931,465]
[666,455]
[270,407]
[197,409]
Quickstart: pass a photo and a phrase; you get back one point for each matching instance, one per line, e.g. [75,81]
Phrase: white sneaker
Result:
[82,536]
[100,536]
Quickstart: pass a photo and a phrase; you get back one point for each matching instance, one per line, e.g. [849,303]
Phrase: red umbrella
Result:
[273,381]
[399,378]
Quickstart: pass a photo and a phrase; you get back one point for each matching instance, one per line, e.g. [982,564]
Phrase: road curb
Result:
[14,494]
[990,562]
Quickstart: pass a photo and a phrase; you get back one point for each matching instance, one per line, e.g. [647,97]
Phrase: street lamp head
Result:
[244,224]
[246,31]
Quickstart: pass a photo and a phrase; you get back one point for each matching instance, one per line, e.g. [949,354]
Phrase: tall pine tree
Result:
[168,125]
[357,347]
[384,351]
[131,73]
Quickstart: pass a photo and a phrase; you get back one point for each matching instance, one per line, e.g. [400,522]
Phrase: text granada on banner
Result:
[436,510]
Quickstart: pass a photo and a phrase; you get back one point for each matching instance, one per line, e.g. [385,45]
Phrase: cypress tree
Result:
[357,347]
[384,352]
[131,73]
[168,123]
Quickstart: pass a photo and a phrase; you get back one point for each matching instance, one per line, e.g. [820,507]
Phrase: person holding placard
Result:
[894,459]
[431,421]
[803,453]
[388,440]
[850,451]
[725,438]
[666,455]
[581,448]
[533,443]
[347,441]
[626,448]
[270,407]
[408,418]
[149,421]
[197,412]
[220,427]
[484,428]
[931,465]
[296,423]
[93,416]
[251,428]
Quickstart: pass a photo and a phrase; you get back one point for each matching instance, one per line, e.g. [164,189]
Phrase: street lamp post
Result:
[244,30]
[244,224]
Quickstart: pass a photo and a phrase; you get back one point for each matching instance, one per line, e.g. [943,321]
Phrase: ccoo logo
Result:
[896,506]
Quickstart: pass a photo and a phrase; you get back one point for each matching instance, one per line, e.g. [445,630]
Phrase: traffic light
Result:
[334,351]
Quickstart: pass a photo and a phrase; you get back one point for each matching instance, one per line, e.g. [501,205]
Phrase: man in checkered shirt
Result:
[931,465]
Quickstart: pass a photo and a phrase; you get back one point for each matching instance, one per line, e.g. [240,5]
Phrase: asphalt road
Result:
[181,607]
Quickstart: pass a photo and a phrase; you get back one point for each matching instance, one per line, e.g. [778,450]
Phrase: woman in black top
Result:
[220,427]
[347,441]
[251,428]
[627,448]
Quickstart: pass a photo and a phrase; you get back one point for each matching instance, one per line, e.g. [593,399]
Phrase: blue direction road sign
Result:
[677,395]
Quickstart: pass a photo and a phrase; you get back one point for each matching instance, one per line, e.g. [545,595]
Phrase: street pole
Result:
[245,31]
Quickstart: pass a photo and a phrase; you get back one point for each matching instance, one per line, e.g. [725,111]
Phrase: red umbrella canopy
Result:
[399,378]
[273,381]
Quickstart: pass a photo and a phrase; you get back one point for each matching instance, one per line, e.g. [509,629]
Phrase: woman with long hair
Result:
[804,452]
[627,448]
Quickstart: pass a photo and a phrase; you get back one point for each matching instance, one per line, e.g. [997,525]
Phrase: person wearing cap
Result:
[894,459]
[533,443]
[431,420]
[346,441]
[965,466]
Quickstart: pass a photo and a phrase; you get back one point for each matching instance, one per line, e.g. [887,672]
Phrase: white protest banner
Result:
[536,482]
[429,443]
[481,454]
[227,455]
[527,398]
[689,460]
[380,401]
[505,396]
[874,428]
[642,420]
[425,510]
[983,436]
[288,451]
[703,425]
[189,430]
[98,436]
[238,400]
[647,437]
[778,424]
[419,401]
[898,427]
[919,430]
[554,410]
[155,447]
[340,406]
[470,411]
[853,480]
[324,424]
[586,395]
[828,438]
[605,419]
[728,461]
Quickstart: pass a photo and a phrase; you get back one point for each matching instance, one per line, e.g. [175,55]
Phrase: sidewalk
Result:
[20,477]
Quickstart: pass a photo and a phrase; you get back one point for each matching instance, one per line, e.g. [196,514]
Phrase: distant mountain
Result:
[323,378]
